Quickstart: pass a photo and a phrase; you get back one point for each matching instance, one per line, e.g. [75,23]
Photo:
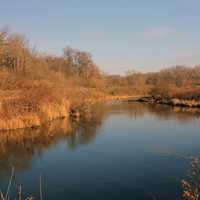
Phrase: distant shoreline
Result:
[190,103]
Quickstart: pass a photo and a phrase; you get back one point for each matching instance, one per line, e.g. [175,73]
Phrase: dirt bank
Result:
[193,103]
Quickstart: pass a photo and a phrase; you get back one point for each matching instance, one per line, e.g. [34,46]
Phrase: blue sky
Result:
[145,35]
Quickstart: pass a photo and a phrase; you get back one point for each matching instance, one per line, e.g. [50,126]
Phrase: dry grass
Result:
[20,195]
[35,88]
[44,113]
[27,102]
[191,188]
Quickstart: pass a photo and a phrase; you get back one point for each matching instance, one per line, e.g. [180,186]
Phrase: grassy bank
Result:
[37,88]
[176,101]
[45,113]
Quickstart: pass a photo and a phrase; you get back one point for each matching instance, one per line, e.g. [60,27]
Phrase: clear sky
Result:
[121,34]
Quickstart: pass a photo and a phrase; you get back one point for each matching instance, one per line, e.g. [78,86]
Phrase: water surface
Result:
[123,151]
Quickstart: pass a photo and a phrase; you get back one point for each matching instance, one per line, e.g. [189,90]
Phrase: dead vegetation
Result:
[20,195]
[191,187]
[35,88]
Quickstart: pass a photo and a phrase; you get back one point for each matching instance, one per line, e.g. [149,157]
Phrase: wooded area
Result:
[29,79]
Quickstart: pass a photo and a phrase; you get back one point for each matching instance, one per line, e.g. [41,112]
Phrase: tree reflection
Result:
[137,110]
[19,147]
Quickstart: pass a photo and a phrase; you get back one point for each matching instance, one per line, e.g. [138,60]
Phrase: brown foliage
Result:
[179,82]
[29,79]
[191,188]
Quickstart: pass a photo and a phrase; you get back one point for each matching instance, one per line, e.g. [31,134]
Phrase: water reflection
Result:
[138,110]
[18,148]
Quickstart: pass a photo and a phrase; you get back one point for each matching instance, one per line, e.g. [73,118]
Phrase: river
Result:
[122,151]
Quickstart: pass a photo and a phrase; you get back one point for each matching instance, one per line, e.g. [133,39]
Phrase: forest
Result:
[36,87]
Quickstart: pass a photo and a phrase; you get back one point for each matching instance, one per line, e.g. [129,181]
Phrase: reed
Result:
[20,195]
[191,187]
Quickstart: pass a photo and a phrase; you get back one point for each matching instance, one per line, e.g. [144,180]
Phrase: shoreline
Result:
[174,102]
[50,112]
[47,112]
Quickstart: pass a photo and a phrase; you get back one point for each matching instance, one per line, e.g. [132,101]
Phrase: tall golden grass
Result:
[35,88]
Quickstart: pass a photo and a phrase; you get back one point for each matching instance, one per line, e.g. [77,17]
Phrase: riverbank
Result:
[180,102]
[25,148]
[45,113]
[51,111]
[75,111]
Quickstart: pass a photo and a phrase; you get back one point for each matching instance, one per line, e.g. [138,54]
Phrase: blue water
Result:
[125,151]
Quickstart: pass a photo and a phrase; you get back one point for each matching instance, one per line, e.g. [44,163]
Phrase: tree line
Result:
[22,67]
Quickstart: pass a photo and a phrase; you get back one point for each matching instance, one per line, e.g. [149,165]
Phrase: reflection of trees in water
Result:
[132,110]
[181,114]
[88,127]
[84,134]
[17,148]
[137,110]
